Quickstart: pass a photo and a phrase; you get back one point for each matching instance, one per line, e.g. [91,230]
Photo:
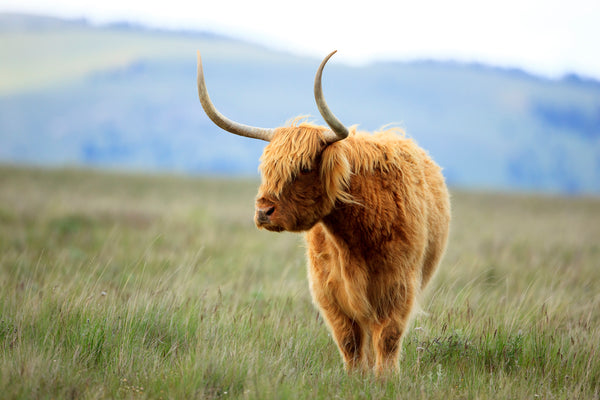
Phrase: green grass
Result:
[126,286]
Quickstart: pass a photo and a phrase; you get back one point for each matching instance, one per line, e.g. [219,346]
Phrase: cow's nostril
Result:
[263,214]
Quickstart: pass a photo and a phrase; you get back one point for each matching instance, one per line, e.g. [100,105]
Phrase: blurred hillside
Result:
[125,97]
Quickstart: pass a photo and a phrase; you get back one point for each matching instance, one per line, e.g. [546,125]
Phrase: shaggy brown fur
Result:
[376,213]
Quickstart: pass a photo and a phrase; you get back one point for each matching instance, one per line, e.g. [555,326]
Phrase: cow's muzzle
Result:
[263,215]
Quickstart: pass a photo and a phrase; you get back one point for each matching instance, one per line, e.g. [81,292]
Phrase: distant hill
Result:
[124,96]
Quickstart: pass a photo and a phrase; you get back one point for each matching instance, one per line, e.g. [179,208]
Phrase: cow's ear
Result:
[335,172]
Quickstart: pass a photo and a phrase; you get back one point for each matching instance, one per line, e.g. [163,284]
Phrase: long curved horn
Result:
[223,122]
[339,130]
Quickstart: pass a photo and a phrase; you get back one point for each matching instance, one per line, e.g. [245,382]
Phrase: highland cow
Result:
[376,212]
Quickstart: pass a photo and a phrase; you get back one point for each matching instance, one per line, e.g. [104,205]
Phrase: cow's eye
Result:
[306,170]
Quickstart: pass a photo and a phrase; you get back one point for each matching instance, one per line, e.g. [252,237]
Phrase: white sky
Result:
[548,37]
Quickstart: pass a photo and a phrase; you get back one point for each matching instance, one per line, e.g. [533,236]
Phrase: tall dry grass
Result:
[125,286]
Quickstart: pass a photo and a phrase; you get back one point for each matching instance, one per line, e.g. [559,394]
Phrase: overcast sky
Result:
[547,37]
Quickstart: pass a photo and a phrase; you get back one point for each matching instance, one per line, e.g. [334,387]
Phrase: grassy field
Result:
[124,286]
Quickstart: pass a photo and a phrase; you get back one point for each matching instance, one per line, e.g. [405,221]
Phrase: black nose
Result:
[263,214]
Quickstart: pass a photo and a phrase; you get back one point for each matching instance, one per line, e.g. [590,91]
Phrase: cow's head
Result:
[302,173]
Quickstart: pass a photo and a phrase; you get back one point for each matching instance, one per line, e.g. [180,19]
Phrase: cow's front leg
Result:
[387,341]
[387,333]
[348,336]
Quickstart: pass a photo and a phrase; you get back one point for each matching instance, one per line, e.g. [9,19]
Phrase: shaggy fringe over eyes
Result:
[292,149]
[296,147]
